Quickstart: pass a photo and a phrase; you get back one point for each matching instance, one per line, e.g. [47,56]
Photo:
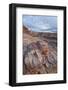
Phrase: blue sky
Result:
[40,23]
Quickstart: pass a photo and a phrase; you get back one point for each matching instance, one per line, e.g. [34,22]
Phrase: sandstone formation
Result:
[39,52]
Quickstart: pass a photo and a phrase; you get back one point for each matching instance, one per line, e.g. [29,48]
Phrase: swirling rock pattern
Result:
[39,52]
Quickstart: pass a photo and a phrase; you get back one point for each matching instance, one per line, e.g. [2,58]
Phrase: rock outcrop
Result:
[39,52]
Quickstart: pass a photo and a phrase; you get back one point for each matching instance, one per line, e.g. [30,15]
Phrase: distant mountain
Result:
[26,30]
[42,34]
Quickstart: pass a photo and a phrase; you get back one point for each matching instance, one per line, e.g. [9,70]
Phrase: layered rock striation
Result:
[39,52]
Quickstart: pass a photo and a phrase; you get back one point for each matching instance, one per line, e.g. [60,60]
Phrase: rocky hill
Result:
[39,52]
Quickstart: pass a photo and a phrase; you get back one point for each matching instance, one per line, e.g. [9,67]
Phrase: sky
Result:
[39,23]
